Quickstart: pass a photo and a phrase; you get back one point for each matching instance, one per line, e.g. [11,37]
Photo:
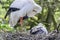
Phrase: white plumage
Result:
[39,29]
[27,7]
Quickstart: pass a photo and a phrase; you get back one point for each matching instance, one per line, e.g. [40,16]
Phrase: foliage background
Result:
[50,15]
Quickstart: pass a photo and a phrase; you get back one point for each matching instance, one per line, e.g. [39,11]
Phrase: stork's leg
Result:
[21,21]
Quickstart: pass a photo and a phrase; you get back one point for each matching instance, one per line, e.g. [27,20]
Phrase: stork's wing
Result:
[19,4]
[14,17]
[11,10]
[8,12]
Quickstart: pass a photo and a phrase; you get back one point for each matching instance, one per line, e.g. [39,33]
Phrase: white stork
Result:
[22,9]
[39,29]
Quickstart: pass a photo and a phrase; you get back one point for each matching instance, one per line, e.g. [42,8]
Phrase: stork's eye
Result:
[34,10]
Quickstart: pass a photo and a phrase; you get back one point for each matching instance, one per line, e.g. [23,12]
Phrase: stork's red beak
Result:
[21,21]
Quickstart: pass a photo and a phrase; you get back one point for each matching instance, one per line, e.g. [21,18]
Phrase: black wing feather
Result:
[10,10]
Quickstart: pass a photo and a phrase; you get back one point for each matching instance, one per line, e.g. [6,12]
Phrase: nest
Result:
[26,36]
